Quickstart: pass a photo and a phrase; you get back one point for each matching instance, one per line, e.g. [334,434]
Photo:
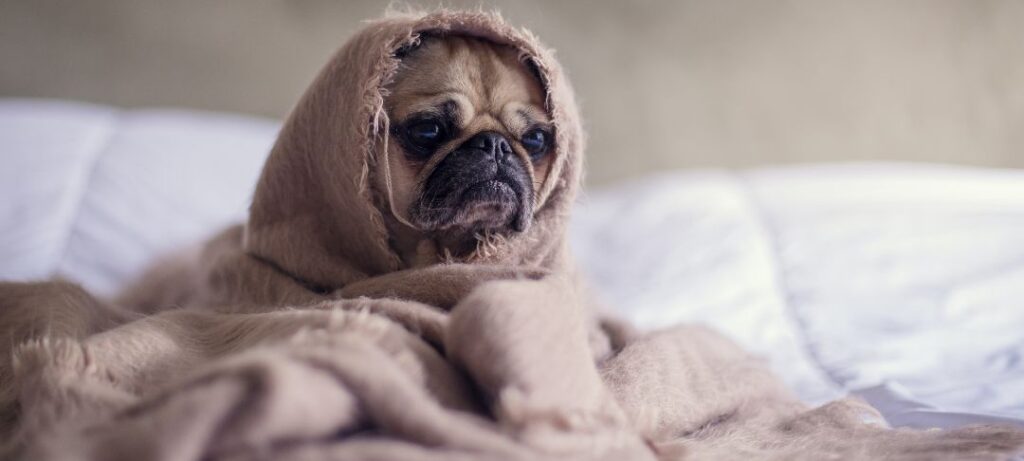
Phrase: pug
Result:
[468,148]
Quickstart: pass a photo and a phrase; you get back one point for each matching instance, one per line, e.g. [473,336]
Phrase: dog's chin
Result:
[490,205]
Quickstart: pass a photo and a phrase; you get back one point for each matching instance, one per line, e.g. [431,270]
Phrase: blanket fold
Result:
[301,335]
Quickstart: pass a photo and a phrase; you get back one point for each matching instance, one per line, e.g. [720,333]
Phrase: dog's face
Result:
[470,142]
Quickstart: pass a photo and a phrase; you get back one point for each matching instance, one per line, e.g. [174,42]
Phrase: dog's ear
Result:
[402,51]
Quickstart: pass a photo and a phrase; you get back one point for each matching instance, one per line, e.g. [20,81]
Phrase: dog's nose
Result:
[491,142]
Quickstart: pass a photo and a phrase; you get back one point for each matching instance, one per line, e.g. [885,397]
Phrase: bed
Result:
[900,283]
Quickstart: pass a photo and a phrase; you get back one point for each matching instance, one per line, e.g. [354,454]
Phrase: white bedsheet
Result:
[900,283]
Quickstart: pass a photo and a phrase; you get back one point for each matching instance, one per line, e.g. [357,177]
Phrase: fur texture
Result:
[304,335]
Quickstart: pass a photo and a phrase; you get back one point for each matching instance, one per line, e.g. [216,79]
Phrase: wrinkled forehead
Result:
[471,73]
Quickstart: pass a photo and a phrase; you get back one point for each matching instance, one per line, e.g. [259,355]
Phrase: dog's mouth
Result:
[468,193]
[489,193]
[487,204]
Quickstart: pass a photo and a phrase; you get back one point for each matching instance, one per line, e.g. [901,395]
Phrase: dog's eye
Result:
[536,143]
[426,133]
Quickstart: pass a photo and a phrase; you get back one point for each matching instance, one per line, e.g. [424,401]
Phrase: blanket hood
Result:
[316,213]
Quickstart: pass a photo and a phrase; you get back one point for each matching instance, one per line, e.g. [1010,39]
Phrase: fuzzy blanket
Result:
[301,335]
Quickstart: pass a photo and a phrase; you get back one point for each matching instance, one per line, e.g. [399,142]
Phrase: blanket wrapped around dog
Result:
[303,336]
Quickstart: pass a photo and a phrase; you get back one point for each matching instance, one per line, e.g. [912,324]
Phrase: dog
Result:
[460,163]
[468,146]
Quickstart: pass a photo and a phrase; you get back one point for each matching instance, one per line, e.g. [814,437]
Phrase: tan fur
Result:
[305,334]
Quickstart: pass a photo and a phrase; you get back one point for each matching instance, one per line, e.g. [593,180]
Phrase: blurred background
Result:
[663,84]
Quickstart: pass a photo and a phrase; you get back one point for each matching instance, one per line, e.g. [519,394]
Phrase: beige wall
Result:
[663,83]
